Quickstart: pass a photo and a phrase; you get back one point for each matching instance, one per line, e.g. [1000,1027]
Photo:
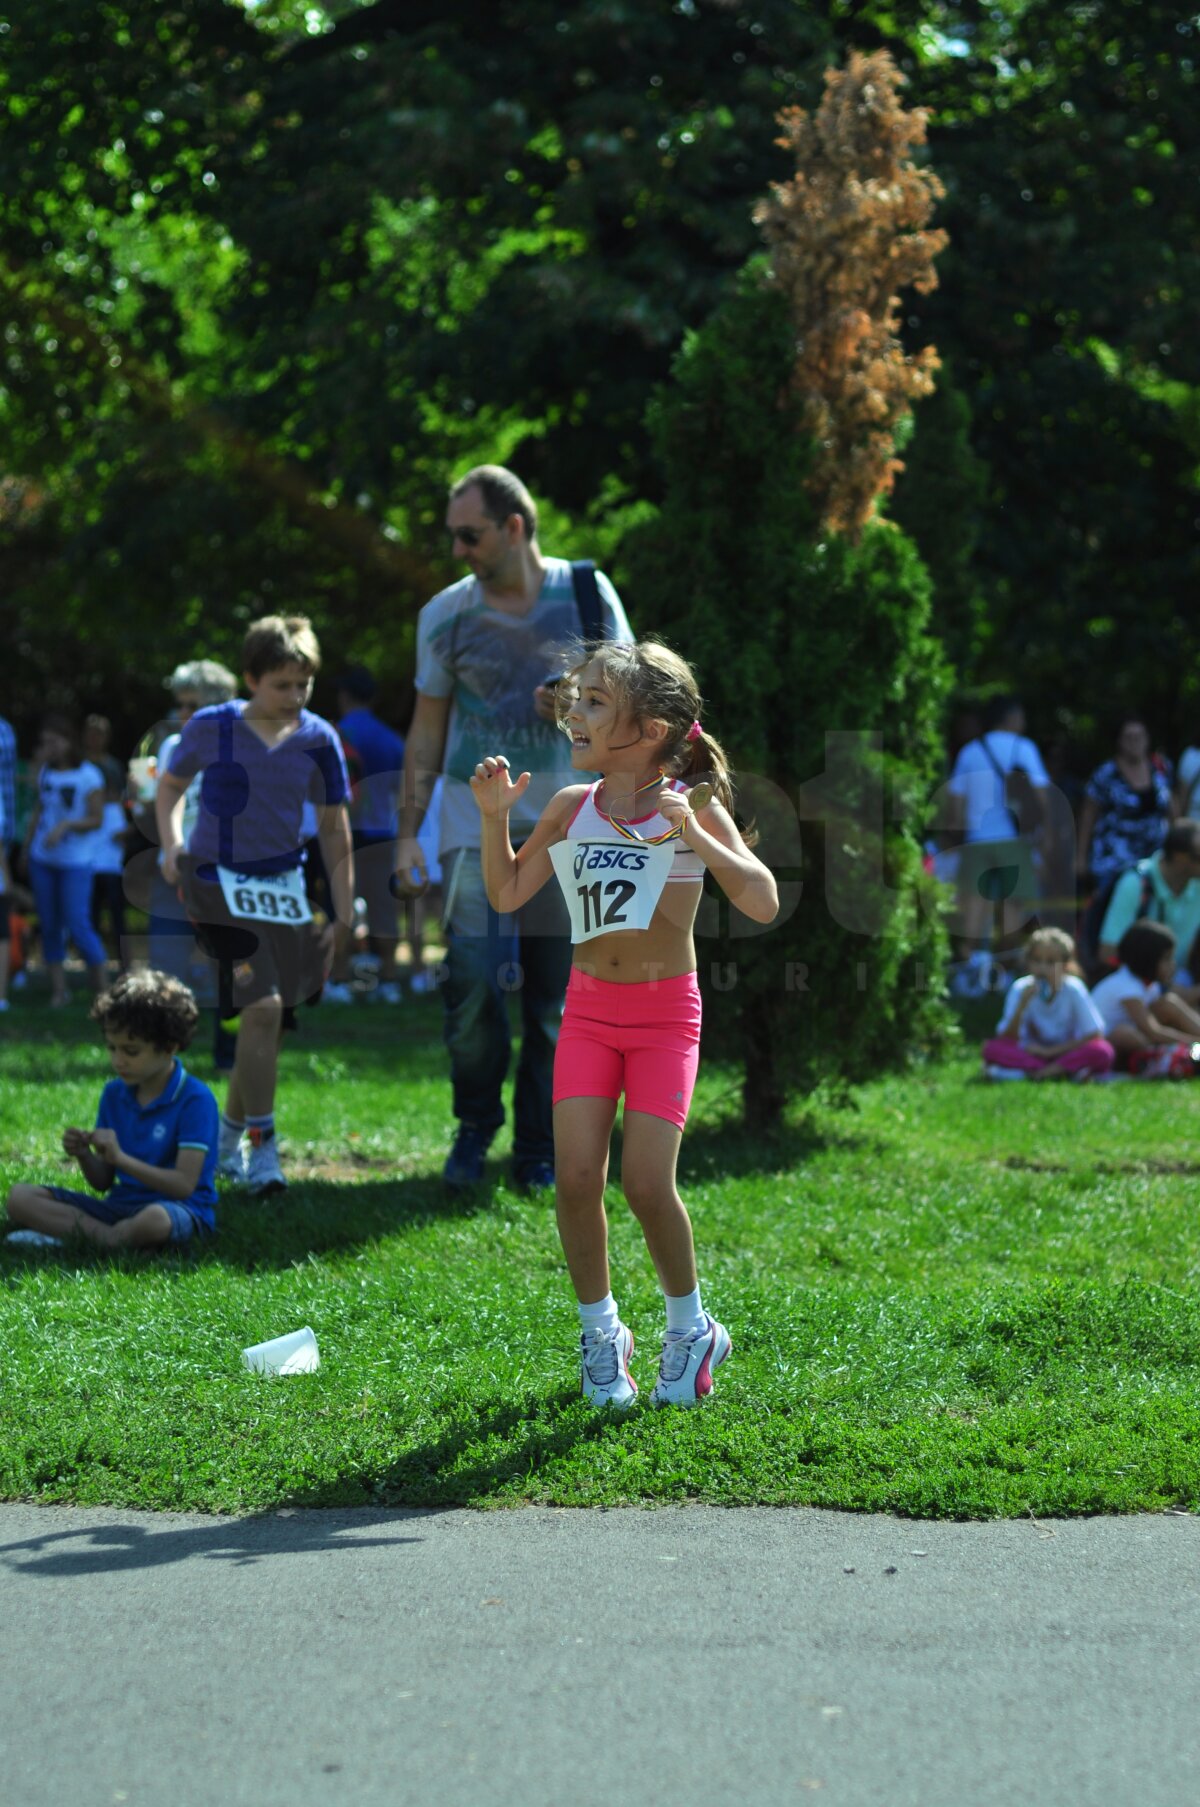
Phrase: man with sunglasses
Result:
[488,650]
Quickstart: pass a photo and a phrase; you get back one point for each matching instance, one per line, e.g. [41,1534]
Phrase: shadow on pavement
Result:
[102,1549]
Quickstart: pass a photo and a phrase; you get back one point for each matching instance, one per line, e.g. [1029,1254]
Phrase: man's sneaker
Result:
[264,1175]
[464,1163]
[535,1176]
[389,993]
[604,1357]
[994,1072]
[337,994]
[685,1368]
[34,1239]
[423,982]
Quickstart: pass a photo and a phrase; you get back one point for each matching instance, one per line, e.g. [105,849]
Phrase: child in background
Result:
[266,764]
[153,1152]
[108,865]
[59,844]
[1141,1018]
[630,852]
[1050,1028]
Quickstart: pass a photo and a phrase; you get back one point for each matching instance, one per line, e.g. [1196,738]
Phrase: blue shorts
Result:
[184,1223]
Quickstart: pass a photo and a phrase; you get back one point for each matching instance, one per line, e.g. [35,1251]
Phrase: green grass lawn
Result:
[953,1300]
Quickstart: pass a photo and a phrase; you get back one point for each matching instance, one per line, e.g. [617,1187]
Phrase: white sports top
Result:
[591,824]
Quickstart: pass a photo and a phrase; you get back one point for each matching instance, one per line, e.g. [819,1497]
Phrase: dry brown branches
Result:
[847,233]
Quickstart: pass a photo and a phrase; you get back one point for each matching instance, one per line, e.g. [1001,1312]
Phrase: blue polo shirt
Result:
[184,1115]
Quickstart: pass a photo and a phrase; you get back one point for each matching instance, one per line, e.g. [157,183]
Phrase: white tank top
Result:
[591,824]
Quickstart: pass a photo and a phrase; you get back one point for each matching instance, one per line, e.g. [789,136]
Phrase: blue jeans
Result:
[63,895]
[488,958]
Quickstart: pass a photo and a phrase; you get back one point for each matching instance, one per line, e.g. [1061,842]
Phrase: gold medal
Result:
[700,796]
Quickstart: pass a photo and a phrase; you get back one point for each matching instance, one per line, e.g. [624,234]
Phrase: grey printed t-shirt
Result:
[489,664]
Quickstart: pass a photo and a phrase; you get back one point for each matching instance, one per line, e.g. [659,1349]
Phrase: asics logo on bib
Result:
[592,858]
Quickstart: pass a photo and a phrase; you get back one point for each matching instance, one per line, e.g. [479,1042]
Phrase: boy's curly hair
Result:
[151,1005]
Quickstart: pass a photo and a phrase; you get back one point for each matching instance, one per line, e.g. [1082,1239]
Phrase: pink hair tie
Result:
[693,732]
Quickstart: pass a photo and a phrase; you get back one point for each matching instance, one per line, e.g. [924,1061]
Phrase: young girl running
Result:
[630,852]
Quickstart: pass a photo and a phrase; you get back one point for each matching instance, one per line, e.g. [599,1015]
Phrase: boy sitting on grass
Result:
[153,1151]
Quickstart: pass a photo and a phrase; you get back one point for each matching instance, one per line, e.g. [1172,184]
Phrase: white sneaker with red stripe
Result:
[264,1175]
[604,1356]
[685,1368]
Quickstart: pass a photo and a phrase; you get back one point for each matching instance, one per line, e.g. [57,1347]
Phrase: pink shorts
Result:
[643,1040]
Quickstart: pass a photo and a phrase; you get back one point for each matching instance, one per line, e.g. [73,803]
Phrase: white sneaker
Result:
[389,993]
[34,1239]
[423,982]
[264,1175]
[685,1368]
[337,994]
[1005,1073]
[604,1359]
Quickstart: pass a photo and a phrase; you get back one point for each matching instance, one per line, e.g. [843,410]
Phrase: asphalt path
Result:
[540,1657]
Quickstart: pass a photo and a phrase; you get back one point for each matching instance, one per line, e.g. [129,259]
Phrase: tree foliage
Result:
[271,271]
[820,675]
[813,644]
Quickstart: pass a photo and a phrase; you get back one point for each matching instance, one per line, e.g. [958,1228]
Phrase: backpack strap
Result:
[587,600]
[1003,774]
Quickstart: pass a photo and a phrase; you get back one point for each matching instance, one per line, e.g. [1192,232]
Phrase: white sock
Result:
[684,1314]
[603,1315]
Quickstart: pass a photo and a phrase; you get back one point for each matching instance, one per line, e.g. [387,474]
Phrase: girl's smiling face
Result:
[598,728]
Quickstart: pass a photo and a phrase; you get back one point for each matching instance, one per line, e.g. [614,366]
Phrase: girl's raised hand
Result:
[495,792]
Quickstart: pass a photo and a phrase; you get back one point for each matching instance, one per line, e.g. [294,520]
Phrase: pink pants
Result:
[1096,1056]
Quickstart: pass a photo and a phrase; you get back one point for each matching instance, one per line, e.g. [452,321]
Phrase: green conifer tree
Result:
[813,649]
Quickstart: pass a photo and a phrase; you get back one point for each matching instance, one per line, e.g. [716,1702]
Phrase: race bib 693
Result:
[265,897]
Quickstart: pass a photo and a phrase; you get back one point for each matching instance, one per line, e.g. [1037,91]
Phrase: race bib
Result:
[610,885]
[265,897]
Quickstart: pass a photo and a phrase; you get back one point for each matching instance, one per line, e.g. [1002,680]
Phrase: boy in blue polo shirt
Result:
[153,1152]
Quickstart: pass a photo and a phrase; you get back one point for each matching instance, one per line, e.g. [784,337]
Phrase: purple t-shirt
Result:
[252,796]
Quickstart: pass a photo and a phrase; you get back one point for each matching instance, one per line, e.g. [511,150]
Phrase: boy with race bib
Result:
[264,764]
[630,852]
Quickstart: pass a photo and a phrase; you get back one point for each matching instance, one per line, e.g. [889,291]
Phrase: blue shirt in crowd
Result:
[184,1115]
[378,754]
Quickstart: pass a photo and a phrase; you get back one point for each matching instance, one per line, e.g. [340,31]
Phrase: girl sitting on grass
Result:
[1150,1026]
[630,852]
[1050,1028]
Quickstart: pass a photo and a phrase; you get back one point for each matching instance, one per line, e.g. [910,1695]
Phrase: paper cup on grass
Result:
[294,1354]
